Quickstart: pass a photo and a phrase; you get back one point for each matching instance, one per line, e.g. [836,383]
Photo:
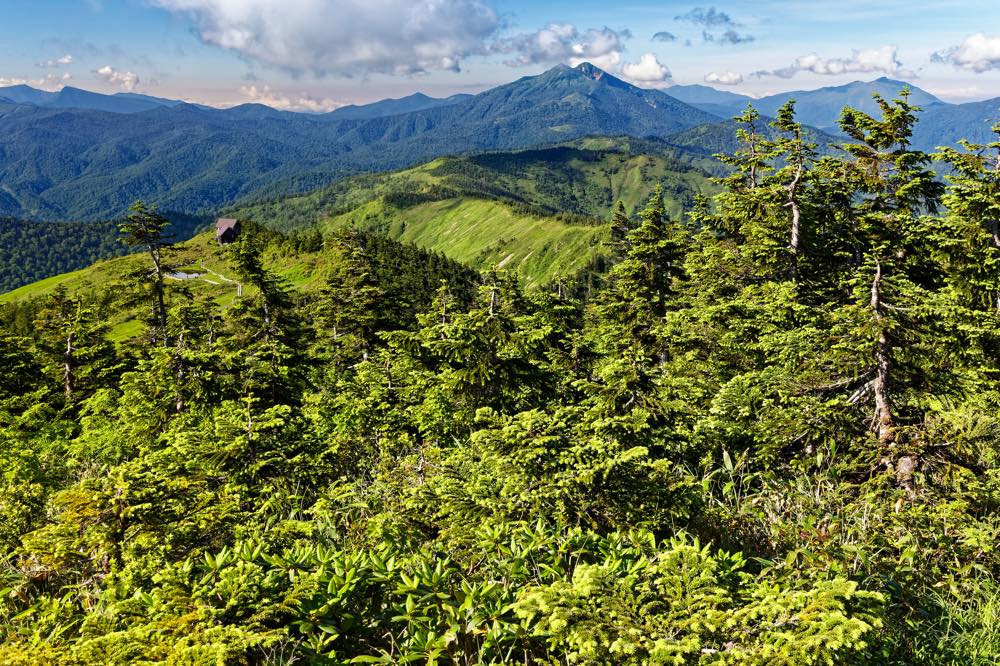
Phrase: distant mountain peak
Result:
[591,71]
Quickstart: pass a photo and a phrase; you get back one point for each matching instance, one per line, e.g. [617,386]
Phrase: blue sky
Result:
[317,54]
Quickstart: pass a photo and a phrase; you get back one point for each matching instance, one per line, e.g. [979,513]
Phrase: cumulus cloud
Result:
[124,80]
[563,42]
[977,53]
[717,27]
[884,59]
[724,78]
[345,37]
[648,72]
[57,62]
[664,37]
[48,82]
[307,103]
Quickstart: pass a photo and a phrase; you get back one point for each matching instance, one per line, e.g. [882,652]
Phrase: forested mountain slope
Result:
[540,212]
[769,436]
[392,107]
[86,164]
[32,251]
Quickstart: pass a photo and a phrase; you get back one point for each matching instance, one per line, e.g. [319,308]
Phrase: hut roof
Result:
[224,224]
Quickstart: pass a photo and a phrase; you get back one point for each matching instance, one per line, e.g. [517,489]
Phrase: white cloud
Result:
[50,82]
[562,42]
[648,72]
[124,80]
[717,26]
[58,62]
[884,59]
[977,53]
[345,37]
[710,18]
[724,79]
[266,95]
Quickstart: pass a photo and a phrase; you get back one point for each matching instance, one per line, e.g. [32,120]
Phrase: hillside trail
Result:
[182,276]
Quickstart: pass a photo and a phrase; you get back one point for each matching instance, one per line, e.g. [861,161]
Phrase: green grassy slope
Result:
[203,271]
[582,178]
[539,212]
[484,234]
[542,206]
[200,254]
[189,255]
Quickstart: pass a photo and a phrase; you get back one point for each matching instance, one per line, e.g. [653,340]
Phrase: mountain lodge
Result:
[227,230]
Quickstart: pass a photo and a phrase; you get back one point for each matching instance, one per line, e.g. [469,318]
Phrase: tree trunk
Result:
[884,423]
[994,227]
[180,373]
[161,307]
[793,243]
[69,364]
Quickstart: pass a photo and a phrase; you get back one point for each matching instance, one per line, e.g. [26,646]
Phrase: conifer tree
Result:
[346,312]
[792,177]
[641,284]
[73,339]
[621,225]
[144,228]
[973,203]
[892,190]
[268,341]
[625,316]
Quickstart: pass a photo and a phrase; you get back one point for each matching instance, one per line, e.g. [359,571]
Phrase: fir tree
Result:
[144,228]
[73,340]
[893,188]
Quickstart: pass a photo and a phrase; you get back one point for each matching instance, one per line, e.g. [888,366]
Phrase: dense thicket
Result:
[770,438]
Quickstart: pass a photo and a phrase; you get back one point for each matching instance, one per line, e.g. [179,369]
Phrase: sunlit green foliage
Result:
[769,437]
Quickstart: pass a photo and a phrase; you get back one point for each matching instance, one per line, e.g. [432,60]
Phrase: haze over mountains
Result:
[819,108]
[81,155]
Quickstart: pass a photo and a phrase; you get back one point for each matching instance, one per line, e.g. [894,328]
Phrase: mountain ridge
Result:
[819,107]
[85,165]
[73,164]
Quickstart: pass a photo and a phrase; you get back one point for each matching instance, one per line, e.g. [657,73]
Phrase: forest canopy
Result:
[768,434]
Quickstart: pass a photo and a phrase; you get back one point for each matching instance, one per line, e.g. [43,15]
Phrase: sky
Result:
[316,55]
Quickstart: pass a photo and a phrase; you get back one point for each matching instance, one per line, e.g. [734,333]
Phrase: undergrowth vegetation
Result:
[769,437]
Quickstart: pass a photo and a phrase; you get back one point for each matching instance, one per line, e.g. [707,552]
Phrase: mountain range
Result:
[819,108]
[79,155]
[393,107]
[540,212]
[77,98]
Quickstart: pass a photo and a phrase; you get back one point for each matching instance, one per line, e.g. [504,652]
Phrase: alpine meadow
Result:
[597,366]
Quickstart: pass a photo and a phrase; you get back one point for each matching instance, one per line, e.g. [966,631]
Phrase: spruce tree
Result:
[621,225]
[346,312]
[793,177]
